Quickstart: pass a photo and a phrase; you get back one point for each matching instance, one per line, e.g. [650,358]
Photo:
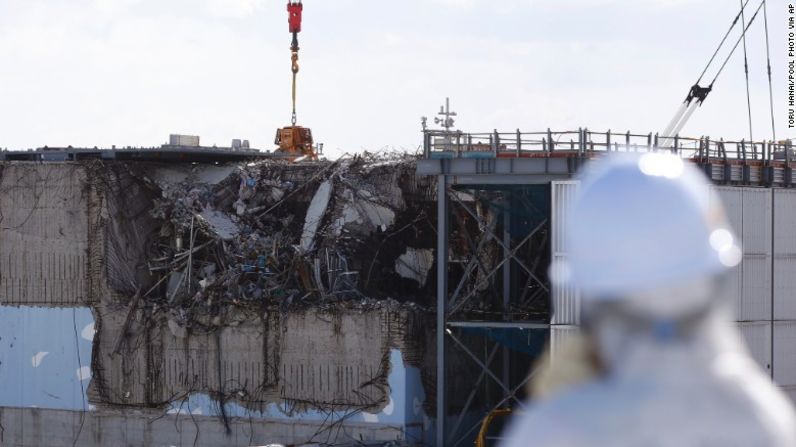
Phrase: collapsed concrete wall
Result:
[199,283]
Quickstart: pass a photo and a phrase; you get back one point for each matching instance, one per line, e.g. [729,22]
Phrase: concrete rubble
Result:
[273,289]
[273,233]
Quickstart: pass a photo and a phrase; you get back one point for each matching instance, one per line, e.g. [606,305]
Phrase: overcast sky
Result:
[129,72]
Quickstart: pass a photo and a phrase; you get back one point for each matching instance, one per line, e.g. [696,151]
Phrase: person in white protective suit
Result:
[649,249]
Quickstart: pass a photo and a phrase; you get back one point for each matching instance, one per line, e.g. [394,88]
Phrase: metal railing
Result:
[584,142]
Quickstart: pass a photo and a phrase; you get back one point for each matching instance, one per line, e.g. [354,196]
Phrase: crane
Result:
[295,141]
[697,93]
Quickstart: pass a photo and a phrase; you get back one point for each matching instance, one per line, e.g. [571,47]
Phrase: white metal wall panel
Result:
[756,232]
[785,353]
[732,199]
[749,214]
[784,254]
[756,336]
[784,221]
[558,337]
[732,290]
[756,288]
[565,299]
[784,288]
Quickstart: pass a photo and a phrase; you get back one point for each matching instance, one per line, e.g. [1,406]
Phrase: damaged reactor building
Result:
[234,303]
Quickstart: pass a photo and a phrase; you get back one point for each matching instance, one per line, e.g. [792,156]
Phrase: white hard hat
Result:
[642,223]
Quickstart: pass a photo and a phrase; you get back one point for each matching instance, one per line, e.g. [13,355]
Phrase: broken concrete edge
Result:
[24,426]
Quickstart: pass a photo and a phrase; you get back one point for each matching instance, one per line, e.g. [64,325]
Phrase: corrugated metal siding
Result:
[736,173]
[756,232]
[565,299]
[755,174]
[749,214]
[732,291]
[757,338]
[732,199]
[785,288]
[785,353]
[717,172]
[784,254]
[756,288]
[785,221]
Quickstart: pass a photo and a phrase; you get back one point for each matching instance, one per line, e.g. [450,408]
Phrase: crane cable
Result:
[768,61]
[734,22]
[700,93]
[295,69]
[294,10]
[743,34]
[746,72]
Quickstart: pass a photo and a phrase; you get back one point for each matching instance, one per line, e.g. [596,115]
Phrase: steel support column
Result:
[442,298]
[506,280]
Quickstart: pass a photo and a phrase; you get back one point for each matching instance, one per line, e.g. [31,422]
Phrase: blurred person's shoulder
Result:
[643,411]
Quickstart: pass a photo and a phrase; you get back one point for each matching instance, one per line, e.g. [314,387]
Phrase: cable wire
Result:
[737,43]
[734,22]
[746,72]
[768,61]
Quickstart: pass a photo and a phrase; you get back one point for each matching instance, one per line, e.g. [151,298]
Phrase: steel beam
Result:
[442,298]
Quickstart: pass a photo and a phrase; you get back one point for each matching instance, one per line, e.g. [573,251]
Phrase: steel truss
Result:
[489,289]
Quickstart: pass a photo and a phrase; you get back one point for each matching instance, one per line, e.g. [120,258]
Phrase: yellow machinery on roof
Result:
[295,141]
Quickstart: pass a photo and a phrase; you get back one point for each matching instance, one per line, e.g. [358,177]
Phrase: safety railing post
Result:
[608,141]
[627,141]
[519,142]
[497,142]
[676,148]
[550,144]
[707,147]
[587,140]
[743,150]
[722,150]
